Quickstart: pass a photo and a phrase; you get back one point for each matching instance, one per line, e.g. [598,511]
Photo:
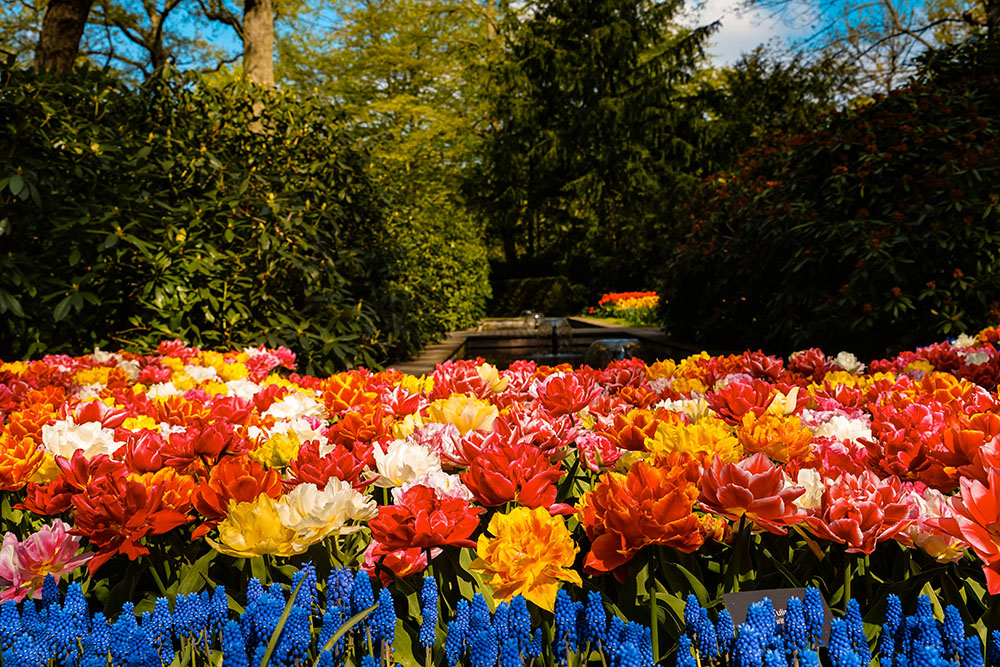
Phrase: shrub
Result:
[882,230]
[221,215]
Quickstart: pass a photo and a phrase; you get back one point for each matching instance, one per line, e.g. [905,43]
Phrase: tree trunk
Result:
[258,42]
[993,16]
[59,40]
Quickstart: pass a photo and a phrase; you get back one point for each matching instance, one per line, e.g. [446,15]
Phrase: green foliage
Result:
[550,295]
[589,138]
[879,231]
[409,98]
[762,94]
[223,216]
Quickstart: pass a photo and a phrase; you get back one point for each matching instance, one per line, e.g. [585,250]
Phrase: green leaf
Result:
[195,575]
[273,642]
[9,303]
[15,184]
[343,630]
[62,308]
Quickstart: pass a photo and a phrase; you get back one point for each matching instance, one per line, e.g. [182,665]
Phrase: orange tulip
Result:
[649,505]
[781,438]
[754,488]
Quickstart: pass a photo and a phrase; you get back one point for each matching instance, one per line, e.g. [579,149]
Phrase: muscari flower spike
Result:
[428,612]
[953,631]
[813,607]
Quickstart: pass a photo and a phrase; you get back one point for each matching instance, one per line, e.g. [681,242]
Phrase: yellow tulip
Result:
[465,412]
[254,529]
[529,554]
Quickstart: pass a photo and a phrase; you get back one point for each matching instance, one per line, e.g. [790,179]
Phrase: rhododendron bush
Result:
[143,476]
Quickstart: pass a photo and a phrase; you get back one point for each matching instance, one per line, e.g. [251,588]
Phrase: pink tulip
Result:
[23,566]
[861,510]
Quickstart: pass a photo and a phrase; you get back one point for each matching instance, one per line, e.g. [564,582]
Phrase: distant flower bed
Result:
[638,308]
[634,485]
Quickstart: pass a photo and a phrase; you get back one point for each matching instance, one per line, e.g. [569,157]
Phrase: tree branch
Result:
[222,15]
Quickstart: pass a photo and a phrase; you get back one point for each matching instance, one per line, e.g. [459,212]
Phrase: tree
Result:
[59,38]
[20,23]
[591,136]
[764,93]
[405,74]
[142,37]
[882,38]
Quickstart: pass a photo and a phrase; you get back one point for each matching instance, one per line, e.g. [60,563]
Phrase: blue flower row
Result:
[351,624]
[918,640]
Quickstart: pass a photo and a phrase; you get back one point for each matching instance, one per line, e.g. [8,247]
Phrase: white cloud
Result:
[744,29]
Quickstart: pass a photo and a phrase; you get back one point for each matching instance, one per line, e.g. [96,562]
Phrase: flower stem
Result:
[654,625]
[847,579]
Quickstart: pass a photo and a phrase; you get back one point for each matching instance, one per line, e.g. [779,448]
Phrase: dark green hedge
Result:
[880,231]
[222,215]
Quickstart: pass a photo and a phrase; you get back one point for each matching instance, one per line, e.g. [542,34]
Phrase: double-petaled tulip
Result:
[565,393]
[421,518]
[234,478]
[346,391]
[473,377]
[929,507]
[738,398]
[811,363]
[903,440]
[762,366]
[597,451]
[630,431]
[254,529]
[975,519]
[116,514]
[404,461]
[755,488]
[341,462]
[25,564]
[527,552]
[514,472]
[20,458]
[649,505]
[367,424]
[781,438]
[314,513]
[467,413]
[534,427]
[200,446]
[860,511]
[703,440]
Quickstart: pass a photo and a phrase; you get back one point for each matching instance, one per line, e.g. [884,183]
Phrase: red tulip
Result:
[234,478]
[198,448]
[761,366]
[649,505]
[976,521]
[116,513]
[341,462]
[738,398]
[513,472]
[423,519]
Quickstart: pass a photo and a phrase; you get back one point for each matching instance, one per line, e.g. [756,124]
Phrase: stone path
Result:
[432,355]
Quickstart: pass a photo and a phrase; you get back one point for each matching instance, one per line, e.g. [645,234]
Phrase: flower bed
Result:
[638,484]
[636,308]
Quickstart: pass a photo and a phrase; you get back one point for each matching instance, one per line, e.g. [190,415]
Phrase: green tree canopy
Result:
[591,139]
